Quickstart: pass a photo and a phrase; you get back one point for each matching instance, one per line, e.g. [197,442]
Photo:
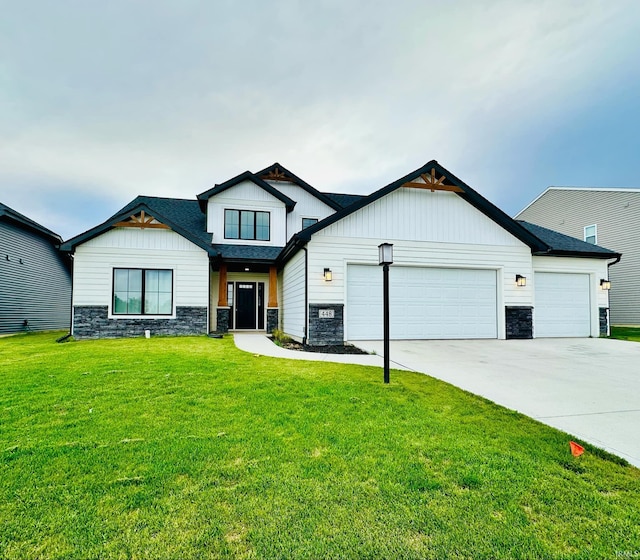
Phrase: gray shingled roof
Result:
[560,243]
[344,200]
[247,252]
[184,213]
[183,216]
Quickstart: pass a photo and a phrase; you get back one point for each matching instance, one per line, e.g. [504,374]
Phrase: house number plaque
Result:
[326,313]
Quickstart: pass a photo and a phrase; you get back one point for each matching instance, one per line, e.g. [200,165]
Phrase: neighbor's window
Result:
[246,224]
[138,291]
[591,234]
[306,222]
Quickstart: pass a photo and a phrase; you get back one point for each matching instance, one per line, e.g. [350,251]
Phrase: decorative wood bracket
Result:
[432,184]
[275,174]
[142,221]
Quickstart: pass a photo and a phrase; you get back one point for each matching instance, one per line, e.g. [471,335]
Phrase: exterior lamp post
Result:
[385,258]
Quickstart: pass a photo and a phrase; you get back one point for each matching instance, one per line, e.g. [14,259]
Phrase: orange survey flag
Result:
[576,450]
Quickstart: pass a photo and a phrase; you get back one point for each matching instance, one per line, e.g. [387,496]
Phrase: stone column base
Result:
[272,319]
[223,314]
[604,321]
[519,322]
[326,324]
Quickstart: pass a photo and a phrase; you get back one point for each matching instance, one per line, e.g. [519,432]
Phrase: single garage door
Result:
[562,306]
[425,303]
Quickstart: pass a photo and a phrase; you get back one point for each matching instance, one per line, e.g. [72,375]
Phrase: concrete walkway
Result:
[587,387]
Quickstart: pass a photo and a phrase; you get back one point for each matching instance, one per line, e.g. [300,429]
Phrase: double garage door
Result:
[425,303]
[449,303]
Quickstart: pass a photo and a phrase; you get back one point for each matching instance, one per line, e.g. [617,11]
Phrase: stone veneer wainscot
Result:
[94,322]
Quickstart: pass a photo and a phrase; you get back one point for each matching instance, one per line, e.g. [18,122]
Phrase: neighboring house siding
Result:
[617,216]
[246,196]
[95,260]
[293,300]
[307,206]
[37,290]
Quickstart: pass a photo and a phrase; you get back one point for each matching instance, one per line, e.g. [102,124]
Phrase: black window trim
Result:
[316,220]
[142,314]
[255,226]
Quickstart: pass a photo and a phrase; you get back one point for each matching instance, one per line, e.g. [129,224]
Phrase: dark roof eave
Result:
[468,194]
[301,183]
[292,247]
[246,176]
[578,254]
[13,216]
[69,245]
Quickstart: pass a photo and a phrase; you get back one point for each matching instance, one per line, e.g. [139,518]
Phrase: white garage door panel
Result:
[562,306]
[424,303]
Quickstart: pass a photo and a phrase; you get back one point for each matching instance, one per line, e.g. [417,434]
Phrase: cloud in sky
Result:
[102,102]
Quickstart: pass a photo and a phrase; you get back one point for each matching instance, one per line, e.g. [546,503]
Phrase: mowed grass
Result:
[626,333]
[189,448]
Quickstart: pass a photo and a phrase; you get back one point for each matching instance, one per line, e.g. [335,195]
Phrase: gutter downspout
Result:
[306,295]
[609,265]
[67,336]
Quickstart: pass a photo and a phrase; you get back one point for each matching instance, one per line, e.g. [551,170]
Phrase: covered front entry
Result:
[425,303]
[246,297]
[562,306]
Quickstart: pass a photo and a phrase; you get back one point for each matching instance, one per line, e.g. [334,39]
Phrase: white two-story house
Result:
[266,250]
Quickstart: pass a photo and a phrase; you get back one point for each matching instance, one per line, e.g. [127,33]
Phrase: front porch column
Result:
[223,312]
[272,303]
[222,286]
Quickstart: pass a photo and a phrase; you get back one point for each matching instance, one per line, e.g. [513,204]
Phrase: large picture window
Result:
[246,224]
[138,291]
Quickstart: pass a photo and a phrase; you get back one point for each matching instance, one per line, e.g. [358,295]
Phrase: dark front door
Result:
[245,305]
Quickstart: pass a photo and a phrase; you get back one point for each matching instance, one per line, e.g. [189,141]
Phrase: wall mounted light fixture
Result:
[328,275]
[521,280]
[605,284]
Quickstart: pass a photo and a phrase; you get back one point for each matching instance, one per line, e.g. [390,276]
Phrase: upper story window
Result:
[591,234]
[138,291]
[306,222]
[246,224]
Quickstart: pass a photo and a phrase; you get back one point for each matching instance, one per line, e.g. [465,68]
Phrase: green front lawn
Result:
[626,333]
[189,448]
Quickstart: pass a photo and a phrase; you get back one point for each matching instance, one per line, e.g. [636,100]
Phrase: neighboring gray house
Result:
[267,250]
[606,217]
[35,277]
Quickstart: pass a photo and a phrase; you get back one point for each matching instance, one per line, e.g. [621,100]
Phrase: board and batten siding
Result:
[292,303]
[594,268]
[95,260]
[616,213]
[421,215]
[307,206]
[435,229]
[247,196]
[38,289]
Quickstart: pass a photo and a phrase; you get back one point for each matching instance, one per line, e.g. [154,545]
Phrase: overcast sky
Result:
[102,101]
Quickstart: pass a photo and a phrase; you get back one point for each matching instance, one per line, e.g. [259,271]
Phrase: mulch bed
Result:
[335,349]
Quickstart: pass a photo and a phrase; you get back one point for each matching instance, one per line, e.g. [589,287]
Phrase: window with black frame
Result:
[139,291]
[247,224]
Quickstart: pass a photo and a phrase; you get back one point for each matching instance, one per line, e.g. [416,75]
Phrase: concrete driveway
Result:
[587,387]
